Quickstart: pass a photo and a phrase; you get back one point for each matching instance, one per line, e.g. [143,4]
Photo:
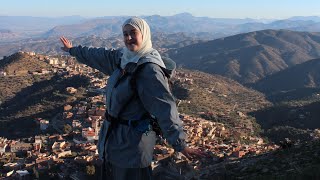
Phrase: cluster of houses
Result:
[44,152]
[223,142]
[40,155]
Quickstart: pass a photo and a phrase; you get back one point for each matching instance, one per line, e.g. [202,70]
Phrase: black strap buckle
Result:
[115,121]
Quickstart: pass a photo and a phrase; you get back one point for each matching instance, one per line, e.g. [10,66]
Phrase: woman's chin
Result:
[132,48]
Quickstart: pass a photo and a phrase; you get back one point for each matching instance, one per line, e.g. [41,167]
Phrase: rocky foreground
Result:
[227,159]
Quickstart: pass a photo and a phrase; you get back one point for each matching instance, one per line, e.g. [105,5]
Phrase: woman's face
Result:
[132,38]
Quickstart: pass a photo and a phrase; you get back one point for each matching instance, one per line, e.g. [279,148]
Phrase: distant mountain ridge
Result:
[184,23]
[28,23]
[102,27]
[107,26]
[252,56]
[311,18]
[7,34]
[51,46]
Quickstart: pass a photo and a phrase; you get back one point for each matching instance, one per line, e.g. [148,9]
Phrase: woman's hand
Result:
[67,45]
[190,153]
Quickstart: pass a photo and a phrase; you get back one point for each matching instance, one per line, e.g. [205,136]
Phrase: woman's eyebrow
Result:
[131,30]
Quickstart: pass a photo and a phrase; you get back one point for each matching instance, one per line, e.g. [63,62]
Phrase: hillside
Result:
[25,96]
[250,57]
[21,63]
[295,93]
[42,99]
[300,161]
[217,98]
[292,116]
[302,76]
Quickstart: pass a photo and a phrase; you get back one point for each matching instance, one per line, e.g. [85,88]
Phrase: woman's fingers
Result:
[66,43]
[63,41]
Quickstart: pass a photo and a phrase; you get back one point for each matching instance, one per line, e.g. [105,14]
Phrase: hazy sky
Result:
[274,9]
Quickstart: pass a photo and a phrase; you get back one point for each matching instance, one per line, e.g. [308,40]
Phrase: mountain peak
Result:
[185,14]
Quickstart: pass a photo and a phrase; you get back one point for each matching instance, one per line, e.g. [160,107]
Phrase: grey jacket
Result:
[130,147]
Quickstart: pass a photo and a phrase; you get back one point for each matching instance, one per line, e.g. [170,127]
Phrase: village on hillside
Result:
[72,152]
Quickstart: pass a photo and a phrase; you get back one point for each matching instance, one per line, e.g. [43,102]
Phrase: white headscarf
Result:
[143,27]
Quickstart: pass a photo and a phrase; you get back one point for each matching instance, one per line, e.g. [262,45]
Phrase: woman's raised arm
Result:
[105,60]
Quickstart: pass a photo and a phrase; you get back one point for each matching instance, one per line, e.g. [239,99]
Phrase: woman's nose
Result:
[128,37]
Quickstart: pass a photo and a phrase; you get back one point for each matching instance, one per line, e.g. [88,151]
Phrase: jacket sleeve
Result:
[99,58]
[153,90]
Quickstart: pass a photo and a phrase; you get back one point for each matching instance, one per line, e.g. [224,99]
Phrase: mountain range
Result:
[76,26]
[51,46]
[23,32]
[36,24]
[106,27]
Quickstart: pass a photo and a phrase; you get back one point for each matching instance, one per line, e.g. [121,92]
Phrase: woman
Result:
[126,140]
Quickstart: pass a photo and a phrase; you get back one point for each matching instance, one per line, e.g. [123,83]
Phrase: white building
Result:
[3,148]
[2,73]
[89,134]
[54,61]
[63,64]
[64,154]
[76,123]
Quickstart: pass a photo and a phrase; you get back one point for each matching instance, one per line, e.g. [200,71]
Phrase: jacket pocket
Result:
[146,147]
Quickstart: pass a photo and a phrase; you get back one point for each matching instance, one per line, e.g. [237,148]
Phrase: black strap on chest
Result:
[131,69]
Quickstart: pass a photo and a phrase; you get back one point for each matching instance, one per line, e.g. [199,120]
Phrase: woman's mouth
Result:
[132,44]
